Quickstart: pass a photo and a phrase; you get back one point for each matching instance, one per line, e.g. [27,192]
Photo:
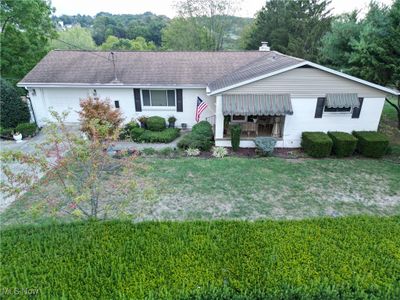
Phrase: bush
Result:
[136,133]
[26,129]
[194,140]
[236,130]
[203,128]
[192,152]
[167,151]
[219,152]
[165,136]
[149,151]
[7,133]
[96,109]
[344,143]
[265,144]
[126,131]
[316,144]
[289,251]
[155,123]
[13,110]
[371,143]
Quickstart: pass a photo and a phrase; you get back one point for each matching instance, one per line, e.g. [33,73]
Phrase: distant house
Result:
[268,93]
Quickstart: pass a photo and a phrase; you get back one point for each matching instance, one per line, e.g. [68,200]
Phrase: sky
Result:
[166,7]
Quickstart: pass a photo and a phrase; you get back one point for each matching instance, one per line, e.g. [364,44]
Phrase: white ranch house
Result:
[268,93]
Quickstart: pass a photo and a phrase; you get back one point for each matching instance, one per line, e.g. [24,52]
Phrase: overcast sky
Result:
[165,7]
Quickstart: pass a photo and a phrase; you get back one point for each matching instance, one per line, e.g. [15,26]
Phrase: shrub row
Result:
[26,129]
[148,136]
[206,260]
[200,137]
[367,143]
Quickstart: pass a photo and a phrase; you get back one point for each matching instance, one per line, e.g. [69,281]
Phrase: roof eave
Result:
[105,85]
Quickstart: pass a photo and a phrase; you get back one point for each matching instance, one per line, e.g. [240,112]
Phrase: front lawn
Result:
[343,258]
[250,188]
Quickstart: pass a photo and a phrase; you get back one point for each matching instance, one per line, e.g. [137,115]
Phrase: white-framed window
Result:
[158,98]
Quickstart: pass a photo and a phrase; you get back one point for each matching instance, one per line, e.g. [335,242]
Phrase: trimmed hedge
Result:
[155,123]
[165,136]
[26,129]
[316,144]
[371,143]
[200,138]
[135,133]
[195,141]
[344,144]
[330,258]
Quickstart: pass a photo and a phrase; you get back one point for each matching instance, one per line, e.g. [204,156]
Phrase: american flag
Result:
[201,106]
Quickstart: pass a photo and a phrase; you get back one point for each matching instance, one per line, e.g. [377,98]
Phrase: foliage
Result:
[142,119]
[368,48]
[137,44]
[291,27]
[135,133]
[265,144]
[149,151]
[167,151]
[344,144]
[27,129]
[196,141]
[371,143]
[155,123]
[192,152]
[316,144]
[101,110]
[201,25]
[165,136]
[126,130]
[172,119]
[207,259]
[219,152]
[73,38]
[6,133]
[25,29]
[13,110]
[236,130]
[78,166]
[203,128]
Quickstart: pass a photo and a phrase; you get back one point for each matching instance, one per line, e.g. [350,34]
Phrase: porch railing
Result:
[211,120]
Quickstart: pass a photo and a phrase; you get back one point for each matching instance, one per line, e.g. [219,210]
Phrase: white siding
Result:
[62,99]
[307,82]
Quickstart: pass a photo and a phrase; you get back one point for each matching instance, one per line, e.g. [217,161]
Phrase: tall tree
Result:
[73,38]
[26,27]
[207,20]
[294,27]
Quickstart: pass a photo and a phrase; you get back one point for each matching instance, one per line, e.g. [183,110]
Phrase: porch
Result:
[256,114]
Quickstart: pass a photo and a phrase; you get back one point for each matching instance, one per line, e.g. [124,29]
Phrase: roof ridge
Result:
[156,51]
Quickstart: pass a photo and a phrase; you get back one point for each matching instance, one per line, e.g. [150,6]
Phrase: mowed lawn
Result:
[252,188]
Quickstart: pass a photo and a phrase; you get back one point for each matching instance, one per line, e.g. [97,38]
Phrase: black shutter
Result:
[320,107]
[357,110]
[138,101]
[179,100]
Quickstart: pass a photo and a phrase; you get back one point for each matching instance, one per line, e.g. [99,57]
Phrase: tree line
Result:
[366,46]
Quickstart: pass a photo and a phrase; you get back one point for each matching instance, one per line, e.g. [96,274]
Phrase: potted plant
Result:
[142,120]
[17,137]
[171,122]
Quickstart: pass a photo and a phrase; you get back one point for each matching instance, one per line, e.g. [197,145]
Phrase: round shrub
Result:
[26,129]
[265,144]
[136,133]
[203,128]
[155,123]
[236,130]
[14,111]
[195,140]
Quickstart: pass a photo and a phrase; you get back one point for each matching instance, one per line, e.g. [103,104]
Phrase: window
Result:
[238,118]
[158,97]
[337,109]
[116,103]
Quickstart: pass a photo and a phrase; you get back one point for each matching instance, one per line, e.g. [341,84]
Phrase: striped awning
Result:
[256,104]
[342,100]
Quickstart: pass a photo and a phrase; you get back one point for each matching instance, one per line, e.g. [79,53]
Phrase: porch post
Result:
[219,118]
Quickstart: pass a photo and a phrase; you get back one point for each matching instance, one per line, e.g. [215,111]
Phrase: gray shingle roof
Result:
[138,68]
[273,61]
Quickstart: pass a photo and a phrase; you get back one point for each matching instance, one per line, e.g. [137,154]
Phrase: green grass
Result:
[353,257]
[243,188]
